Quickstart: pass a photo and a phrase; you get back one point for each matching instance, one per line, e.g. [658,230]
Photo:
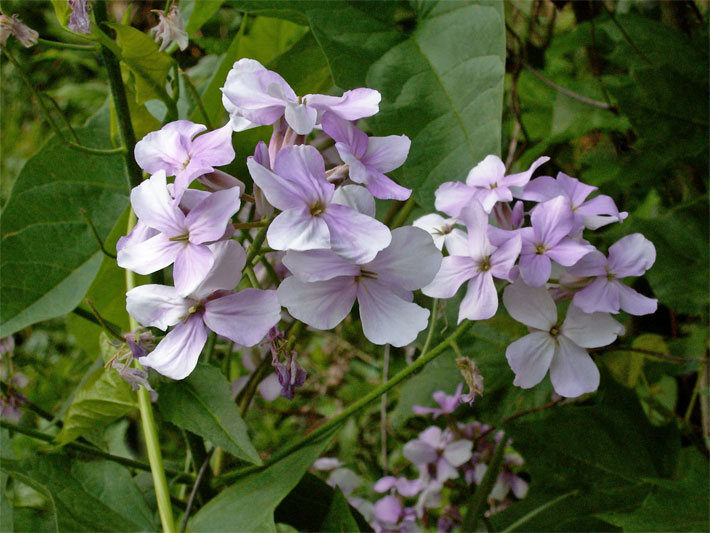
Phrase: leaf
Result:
[249,502]
[48,255]
[144,59]
[104,398]
[74,507]
[203,404]
[62,10]
[200,12]
[339,518]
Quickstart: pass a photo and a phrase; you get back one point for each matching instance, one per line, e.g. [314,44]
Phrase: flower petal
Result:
[454,272]
[481,300]
[568,251]
[353,105]
[535,269]
[533,306]
[552,221]
[387,153]
[154,206]
[244,317]
[157,306]
[489,171]
[348,139]
[634,303]
[419,453]
[476,221]
[452,197]
[177,354]
[458,452]
[572,371]
[318,265]
[382,187]
[521,178]
[297,229]
[321,304]
[300,117]
[356,198]
[590,330]
[632,255]
[214,148]
[600,295]
[208,220]
[226,271]
[150,255]
[355,236]
[192,264]
[168,148]
[530,358]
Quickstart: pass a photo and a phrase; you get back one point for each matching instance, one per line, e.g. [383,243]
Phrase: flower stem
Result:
[68,46]
[432,325]
[403,213]
[150,431]
[357,406]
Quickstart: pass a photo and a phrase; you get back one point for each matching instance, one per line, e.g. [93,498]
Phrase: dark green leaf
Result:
[48,255]
[202,404]
[249,502]
[104,398]
[339,517]
[199,13]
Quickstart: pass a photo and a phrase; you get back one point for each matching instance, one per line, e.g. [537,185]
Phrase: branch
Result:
[660,355]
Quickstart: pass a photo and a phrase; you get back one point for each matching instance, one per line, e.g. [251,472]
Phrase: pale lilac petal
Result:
[541,189]
[599,205]
[321,304]
[270,388]
[532,306]
[280,192]
[219,181]
[226,271]
[348,139]
[155,207]
[353,105]
[488,172]
[184,177]
[410,261]
[535,269]
[632,255]
[140,232]
[600,295]
[168,148]
[301,118]
[476,221]
[574,190]
[481,300]
[552,221]
[355,197]
[519,487]
[592,264]
[384,188]
[304,167]
[297,229]
[454,272]
[192,264]
[388,510]
[438,227]
[572,371]
[490,197]
[432,436]
[386,318]
[590,330]
[599,221]
[387,153]
[530,358]
[327,463]
[214,148]
[384,484]
[503,259]
[191,198]
[244,317]
[409,488]
[149,256]
[318,265]
[177,354]
[520,179]
[452,197]
[157,306]
[208,220]
[567,252]
[353,235]
[236,120]
[419,452]
[458,452]
[456,242]
[634,303]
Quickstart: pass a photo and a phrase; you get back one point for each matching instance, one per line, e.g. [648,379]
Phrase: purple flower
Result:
[243,317]
[481,262]
[557,347]
[324,287]
[181,238]
[175,150]
[547,239]
[311,216]
[391,516]
[486,182]
[437,455]
[631,256]
[592,214]
[269,387]
[79,20]
[447,404]
[290,375]
[368,158]
[7,344]
[12,25]
[444,233]
[405,487]
[170,28]
[254,95]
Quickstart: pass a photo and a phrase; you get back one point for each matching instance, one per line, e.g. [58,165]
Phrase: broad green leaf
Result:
[304,67]
[203,404]
[62,10]
[105,397]
[6,510]
[339,518]
[251,500]
[74,506]
[199,13]
[443,87]
[144,59]
[48,255]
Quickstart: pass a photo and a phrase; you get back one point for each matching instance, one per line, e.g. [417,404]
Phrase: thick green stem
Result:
[150,431]
[257,242]
[120,102]
[358,405]
[68,46]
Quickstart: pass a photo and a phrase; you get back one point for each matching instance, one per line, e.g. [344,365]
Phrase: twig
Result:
[6,389]
[567,92]
[84,214]
[195,487]
[627,37]
[383,409]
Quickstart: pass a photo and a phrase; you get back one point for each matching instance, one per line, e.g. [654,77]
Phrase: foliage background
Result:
[631,457]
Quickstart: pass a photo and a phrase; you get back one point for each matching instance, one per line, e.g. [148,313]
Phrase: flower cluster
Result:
[545,262]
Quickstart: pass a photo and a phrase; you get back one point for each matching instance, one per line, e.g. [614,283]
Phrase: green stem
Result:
[252,277]
[432,325]
[257,242]
[522,521]
[150,431]
[62,117]
[270,270]
[693,397]
[417,365]
[480,496]
[85,448]
[68,46]
[403,213]
[120,102]
[252,384]
[192,90]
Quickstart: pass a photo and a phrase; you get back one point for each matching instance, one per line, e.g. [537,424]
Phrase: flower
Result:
[254,95]
[447,404]
[243,317]
[368,158]
[486,182]
[79,20]
[477,265]
[632,255]
[13,26]
[557,347]
[437,454]
[175,150]
[444,233]
[170,28]
[312,216]
[324,287]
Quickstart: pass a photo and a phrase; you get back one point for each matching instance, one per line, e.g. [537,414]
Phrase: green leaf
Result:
[62,10]
[339,517]
[74,505]
[48,255]
[202,404]
[199,13]
[105,397]
[249,502]
[149,65]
